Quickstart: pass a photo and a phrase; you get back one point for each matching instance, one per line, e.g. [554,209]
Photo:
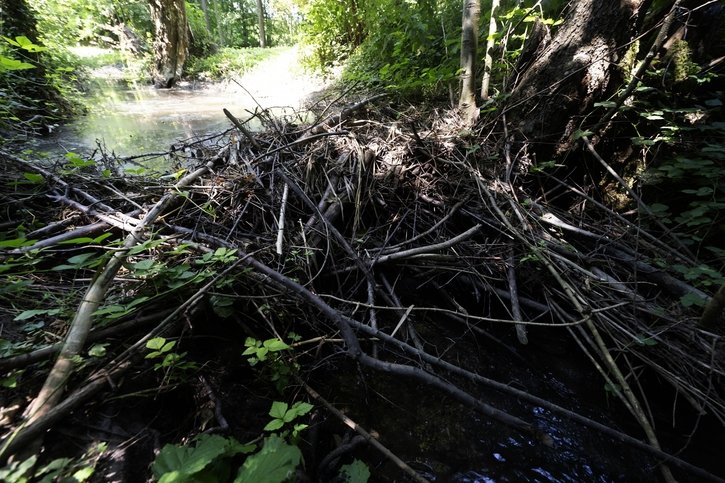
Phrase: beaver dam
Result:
[381,294]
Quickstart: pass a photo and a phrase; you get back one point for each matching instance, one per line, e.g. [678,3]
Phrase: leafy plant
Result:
[258,351]
[270,351]
[60,469]
[283,414]
[275,462]
[162,350]
[355,472]
[209,459]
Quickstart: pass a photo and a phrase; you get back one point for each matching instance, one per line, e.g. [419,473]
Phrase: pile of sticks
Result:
[361,228]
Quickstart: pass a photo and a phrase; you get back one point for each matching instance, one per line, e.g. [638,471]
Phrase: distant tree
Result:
[171,40]
[469,49]
[260,18]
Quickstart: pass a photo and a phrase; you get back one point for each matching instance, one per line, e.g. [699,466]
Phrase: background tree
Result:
[260,19]
[469,51]
[171,40]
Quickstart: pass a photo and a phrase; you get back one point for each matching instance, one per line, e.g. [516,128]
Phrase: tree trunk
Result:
[260,18]
[488,60]
[469,48]
[171,40]
[576,68]
[219,26]
[207,20]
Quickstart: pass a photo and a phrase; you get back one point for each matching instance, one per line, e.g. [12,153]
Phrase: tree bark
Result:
[488,60]
[577,67]
[469,48]
[207,20]
[219,26]
[260,19]
[171,40]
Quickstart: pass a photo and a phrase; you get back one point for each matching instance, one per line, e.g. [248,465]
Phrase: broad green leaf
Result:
[690,299]
[274,425]
[34,178]
[279,409]
[355,472]
[275,345]
[7,63]
[156,343]
[301,408]
[275,463]
[144,265]
[27,314]
[97,350]
[16,243]
[189,461]
[83,240]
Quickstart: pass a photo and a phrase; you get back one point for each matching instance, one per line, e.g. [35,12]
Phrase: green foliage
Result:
[275,463]
[209,459]
[162,350]
[202,42]
[355,472]
[60,469]
[271,352]
[228,62]
[283,415]
[412,47]
[258,351]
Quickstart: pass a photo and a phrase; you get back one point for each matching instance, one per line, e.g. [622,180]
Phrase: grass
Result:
[228,62]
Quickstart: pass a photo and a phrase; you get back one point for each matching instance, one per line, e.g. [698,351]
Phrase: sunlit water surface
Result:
[132,121]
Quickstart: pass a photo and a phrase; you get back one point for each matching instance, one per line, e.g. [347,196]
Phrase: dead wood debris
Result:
[391,222]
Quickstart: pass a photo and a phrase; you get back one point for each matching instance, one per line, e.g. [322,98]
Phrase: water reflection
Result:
[129,121]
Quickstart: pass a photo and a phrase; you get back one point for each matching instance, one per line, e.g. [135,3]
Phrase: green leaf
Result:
[25,43]
[16,243]
[279,409]
[690,299]
[300,409]
[28,314]
[144,265]
[34,178]
[98,350]
[275,345]
[156,343]
[274,425]
[7,63]
[184,464]
[355,472]
[275,463]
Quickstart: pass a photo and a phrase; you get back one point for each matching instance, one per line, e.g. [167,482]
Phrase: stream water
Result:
[134,120]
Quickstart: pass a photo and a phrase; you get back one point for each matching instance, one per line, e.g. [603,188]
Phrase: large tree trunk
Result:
[171,41]
[469,48]
[576,68]
[260,19]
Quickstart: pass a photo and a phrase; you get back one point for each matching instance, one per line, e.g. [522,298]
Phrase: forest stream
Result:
[129,120]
